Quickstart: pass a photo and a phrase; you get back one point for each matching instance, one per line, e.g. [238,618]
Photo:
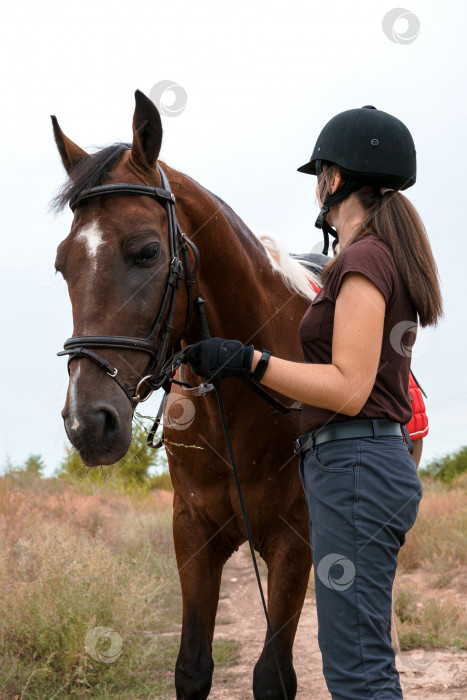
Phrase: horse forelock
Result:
[92,170]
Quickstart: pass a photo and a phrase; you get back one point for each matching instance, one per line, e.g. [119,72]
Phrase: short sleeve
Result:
[369,257]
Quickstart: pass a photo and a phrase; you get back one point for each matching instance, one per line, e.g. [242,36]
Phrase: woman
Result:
[359,478]
[417,427]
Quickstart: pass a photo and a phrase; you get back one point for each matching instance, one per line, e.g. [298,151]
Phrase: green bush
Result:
[34,465]
[133,472]
[447,468]
[161,481]
[141,470]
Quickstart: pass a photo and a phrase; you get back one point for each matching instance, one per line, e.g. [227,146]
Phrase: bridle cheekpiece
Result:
[160,369]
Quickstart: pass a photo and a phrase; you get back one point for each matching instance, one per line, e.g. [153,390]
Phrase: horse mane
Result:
[295,275]
[90,171]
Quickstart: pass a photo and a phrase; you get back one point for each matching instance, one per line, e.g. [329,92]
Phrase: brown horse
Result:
[115,261]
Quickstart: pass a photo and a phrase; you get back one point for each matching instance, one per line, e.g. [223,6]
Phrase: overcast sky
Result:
[261,80]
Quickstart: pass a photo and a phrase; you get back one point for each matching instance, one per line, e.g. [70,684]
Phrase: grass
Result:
[78,560]
[88,575]
[428,623]
[225,653]
[438,540]
[437,548]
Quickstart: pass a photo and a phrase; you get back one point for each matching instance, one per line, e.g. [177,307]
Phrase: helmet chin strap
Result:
[350,185]
[326,227]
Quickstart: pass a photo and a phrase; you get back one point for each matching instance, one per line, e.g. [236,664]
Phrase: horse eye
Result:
[147,254]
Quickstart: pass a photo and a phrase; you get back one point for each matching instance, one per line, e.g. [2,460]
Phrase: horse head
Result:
[116,263]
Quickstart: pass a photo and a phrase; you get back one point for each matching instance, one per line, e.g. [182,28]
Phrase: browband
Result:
[122,188]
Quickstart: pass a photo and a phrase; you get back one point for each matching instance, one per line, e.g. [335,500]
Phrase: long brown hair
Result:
[393,219]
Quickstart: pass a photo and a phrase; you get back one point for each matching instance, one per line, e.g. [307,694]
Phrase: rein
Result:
[205,334]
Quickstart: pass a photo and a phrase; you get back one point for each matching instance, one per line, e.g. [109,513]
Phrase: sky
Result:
[258,81]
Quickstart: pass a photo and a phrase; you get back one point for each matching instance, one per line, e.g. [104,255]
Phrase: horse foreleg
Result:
[288,557]
[200,566]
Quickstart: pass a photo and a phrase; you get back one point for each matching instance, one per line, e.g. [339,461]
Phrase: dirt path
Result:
[427,675]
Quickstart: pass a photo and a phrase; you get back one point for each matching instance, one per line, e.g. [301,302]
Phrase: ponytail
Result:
[393,219]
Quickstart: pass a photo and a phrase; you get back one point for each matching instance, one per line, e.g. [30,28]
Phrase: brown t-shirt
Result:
[389,397]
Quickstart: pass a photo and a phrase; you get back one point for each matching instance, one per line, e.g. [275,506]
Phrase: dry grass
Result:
[438,540]
[74,561]
[433,559]
[428,623]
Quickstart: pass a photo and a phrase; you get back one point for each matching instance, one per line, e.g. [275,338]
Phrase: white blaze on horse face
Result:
[73,396]
[93,237]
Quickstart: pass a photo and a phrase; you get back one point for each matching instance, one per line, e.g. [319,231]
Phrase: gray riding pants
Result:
[363,496]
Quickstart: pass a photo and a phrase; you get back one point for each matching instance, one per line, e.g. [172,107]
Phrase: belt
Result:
[360,428]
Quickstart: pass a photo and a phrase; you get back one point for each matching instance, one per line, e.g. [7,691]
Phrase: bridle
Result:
[160,368]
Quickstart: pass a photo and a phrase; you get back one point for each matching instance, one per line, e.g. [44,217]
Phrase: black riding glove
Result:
[215,358]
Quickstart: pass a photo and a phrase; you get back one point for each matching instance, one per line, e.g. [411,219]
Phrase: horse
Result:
[118,263]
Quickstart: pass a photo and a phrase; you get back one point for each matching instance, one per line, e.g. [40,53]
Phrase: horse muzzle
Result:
[100,432]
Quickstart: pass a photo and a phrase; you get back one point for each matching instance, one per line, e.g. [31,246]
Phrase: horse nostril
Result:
[109,422]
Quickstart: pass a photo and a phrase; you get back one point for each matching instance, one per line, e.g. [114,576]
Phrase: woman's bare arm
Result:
[344,385]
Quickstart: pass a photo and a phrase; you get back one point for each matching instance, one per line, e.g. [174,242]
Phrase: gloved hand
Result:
[215,358]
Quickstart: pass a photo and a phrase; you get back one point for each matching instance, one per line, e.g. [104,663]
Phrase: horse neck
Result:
[245,298]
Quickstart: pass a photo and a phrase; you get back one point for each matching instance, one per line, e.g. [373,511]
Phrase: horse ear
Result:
[69,151]
[147,132]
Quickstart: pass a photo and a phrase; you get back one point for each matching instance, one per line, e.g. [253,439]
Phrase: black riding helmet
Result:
[372,146]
